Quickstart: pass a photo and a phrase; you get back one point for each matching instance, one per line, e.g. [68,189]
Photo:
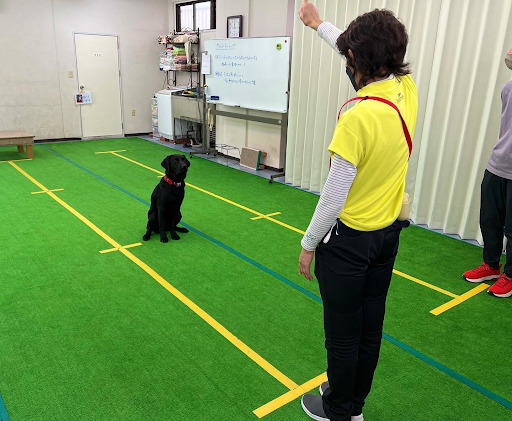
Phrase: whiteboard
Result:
[249,72]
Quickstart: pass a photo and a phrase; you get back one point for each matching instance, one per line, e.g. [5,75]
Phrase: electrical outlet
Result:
[70,74]
[133,113]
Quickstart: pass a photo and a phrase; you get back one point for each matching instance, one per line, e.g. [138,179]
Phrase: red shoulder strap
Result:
[385,101]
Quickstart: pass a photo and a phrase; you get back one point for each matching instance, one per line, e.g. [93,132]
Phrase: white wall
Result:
[261,18]
[37,53]
[29,87]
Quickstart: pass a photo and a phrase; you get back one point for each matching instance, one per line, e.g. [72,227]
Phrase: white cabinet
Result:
[165,117]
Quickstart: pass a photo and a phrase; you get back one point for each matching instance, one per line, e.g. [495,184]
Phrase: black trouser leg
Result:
[493,207]
[508,227]
[378,279]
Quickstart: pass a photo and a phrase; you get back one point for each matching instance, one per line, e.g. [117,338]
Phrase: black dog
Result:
[164,213]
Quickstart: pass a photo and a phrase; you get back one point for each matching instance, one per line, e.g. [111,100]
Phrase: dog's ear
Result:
[186,161]
[165,162]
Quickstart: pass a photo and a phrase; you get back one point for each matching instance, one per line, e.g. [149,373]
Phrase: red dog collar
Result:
[172,183]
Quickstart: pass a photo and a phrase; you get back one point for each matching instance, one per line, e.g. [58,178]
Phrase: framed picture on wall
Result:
[235,26]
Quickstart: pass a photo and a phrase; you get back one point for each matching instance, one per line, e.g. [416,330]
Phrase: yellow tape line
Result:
[97,153]
[404,275]
[471,293]
[269,368]
[290,396]
[137,163]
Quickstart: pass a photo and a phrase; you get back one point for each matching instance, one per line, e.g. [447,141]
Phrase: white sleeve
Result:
[329,33]
[332,200]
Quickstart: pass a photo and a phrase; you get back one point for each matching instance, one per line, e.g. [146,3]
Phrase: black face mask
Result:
[352,79]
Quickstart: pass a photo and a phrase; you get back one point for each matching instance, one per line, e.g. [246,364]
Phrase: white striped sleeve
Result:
[332,200]
[329,33]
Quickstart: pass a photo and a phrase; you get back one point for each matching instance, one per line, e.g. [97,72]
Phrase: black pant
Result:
[496,219]
[354,271]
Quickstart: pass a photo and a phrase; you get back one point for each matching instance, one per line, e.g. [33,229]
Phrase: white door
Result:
[98,72]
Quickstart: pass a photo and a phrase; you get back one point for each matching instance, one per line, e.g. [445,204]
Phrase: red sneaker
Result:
[502,288]
[482,273]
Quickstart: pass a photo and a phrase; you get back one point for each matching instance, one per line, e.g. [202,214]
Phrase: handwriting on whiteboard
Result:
[235,57]
[225,46]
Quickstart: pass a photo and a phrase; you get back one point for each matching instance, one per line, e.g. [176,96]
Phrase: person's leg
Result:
[492,217]
[340,267]
[508,228]
[502,288]
[378,279]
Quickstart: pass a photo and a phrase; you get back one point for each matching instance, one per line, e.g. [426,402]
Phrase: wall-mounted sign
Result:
[83,98]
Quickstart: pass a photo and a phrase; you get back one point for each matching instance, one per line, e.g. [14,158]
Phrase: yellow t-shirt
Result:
[371,137]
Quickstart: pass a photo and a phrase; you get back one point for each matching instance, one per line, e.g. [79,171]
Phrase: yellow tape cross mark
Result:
[45,191]
[450,304]
[123,150]
[119,248]
[265,216]
[290,396]
[17,160]
[269,368]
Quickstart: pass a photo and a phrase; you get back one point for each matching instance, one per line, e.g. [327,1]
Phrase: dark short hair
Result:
[378,41]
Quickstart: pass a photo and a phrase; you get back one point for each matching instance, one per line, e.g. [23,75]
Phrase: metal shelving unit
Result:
[178,38]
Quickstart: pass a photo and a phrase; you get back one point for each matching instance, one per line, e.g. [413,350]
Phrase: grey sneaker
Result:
[324,387]
[313,406]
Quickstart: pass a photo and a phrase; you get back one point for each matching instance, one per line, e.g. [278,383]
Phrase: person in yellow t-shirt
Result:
[370,137]
[354,230]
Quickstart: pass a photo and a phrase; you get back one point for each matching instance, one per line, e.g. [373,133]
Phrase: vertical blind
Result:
[456,51]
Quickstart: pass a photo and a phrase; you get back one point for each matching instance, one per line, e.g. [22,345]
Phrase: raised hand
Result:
[309,15]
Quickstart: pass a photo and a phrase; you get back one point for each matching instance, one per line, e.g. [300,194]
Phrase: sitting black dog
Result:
[164,213]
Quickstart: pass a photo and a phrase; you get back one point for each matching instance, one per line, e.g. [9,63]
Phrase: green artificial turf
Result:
[91,336]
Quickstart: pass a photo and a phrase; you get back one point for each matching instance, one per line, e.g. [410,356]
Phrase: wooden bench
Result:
[20,138]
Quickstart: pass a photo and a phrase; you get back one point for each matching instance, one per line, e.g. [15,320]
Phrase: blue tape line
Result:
[256,264]
[464,380]
[95,175]
[3,411]
[450,372]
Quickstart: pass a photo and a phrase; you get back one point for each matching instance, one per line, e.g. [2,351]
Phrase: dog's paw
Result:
[175,236]
[146,236]
[164,239]
[181,229]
